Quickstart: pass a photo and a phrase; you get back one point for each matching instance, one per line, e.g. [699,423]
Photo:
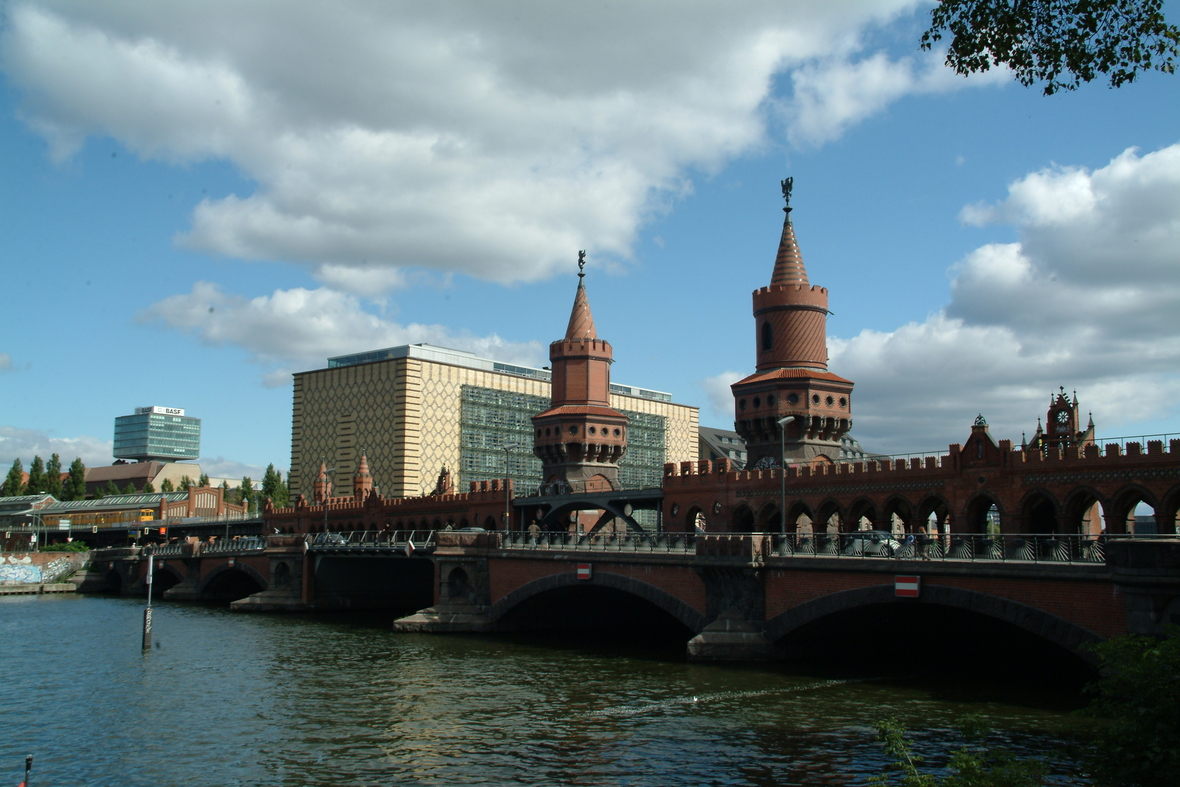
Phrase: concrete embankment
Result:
[32,589]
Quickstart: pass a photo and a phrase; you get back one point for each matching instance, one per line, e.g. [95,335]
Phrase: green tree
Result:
[75,485]
[1140,695]
[53,482]
[36,483]
[203,480]
[246,494]
[166,485]
[273,487]
[14,484]
[149,488]
[1057,43]
[185,483]
[130,489]
[110,489]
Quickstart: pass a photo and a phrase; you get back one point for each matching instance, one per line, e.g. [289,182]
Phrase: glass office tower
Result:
[163,434]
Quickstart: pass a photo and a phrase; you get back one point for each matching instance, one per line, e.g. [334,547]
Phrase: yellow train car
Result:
[89,519]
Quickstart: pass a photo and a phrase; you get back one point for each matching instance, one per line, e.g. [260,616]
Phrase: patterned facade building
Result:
[416,410]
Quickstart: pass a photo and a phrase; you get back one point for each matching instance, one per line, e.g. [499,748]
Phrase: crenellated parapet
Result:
[975,485]
[576,348]
[802,294]
[485,501]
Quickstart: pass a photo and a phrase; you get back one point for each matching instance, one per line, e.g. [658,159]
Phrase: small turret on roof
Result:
[362,482]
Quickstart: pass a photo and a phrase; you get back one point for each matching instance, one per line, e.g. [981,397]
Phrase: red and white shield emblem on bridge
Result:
[584,571]
[907,587]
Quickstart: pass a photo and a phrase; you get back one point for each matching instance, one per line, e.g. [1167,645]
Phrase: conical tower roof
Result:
[581,320]
[788,265]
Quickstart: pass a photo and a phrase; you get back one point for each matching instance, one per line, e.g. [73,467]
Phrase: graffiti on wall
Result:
[19,570]
[25,571]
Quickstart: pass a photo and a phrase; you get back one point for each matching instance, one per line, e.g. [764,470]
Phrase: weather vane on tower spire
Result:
[787,185]
[581,264]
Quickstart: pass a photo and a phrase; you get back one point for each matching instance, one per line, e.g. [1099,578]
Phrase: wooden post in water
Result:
[28,767]
[147,611]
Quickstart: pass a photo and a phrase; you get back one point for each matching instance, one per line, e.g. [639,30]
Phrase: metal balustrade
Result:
[239,544]
[380,541]
[974,548]
[1023,548]
[633,542]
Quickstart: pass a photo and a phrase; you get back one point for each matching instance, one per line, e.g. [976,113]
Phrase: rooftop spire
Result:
[788,265]
[581,321]
[362,470]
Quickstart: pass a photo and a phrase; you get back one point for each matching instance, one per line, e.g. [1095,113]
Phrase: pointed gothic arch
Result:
[866,509]
[1038,511]
[743,519]
[976,511]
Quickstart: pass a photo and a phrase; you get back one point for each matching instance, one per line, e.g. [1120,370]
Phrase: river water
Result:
[243,699]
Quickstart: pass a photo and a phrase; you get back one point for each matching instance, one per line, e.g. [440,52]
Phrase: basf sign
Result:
[159,410]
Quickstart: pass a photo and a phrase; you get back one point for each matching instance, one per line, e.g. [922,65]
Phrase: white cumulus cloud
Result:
[301,328]
[834,93]
[488,139]
[24,444]
[720,397]
[1087,299]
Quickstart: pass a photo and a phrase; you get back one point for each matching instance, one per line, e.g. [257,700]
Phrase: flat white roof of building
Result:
[430,352]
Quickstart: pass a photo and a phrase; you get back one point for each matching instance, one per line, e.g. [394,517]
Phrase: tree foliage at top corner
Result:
[1057,43]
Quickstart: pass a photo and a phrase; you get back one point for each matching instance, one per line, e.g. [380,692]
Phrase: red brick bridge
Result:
[730,596]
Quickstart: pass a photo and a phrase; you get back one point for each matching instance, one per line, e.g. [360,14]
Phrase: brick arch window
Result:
[767,337]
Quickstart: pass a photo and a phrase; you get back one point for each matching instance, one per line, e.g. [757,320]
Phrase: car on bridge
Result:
[329,540]
[871,543]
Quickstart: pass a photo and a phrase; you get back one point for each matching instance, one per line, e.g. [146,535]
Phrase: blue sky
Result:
[200,198]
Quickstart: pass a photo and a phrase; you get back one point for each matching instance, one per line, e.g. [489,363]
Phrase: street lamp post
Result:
[782,430]
[507,493]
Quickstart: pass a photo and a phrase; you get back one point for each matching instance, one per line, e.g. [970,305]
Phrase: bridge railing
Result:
[374,540]
[168,550]
[976,548]
[642,542]
[238,544]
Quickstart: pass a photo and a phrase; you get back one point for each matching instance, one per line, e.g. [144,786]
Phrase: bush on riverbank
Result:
[1140,695]
[1137,700]
[72,546]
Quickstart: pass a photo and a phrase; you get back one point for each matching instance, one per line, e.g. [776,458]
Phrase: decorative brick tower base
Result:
[580,438]
[792,377]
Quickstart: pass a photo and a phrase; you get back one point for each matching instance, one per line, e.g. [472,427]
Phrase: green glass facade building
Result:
[162,434]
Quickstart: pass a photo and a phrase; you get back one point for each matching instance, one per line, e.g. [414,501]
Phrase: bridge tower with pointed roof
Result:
[580,438]
[791,377]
